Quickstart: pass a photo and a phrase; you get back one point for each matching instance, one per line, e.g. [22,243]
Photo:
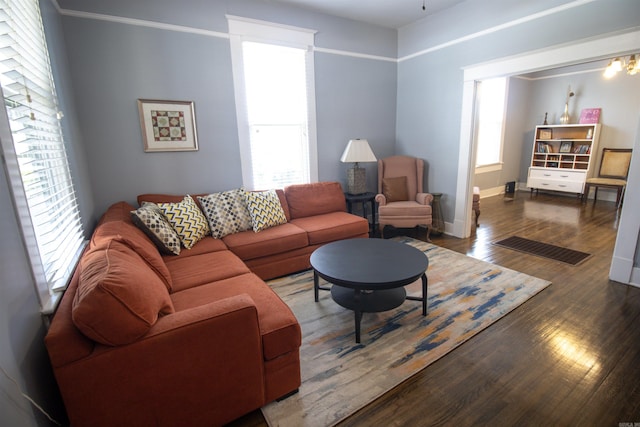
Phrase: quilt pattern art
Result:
[168,125]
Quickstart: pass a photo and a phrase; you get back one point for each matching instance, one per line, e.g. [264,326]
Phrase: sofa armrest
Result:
[207,360]
[424,198]
[381,199]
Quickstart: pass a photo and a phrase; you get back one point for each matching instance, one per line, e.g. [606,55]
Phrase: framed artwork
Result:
[168,125]
[590,115]
[566,146]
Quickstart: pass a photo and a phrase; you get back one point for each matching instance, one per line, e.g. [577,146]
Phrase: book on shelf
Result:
[544,147]
[582,149]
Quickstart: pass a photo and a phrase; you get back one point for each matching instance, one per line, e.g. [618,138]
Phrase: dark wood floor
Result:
[568,356]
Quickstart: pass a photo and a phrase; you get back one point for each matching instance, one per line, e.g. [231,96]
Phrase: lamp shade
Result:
[357,150]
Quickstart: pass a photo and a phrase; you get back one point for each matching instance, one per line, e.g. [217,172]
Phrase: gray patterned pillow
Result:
[226,212]
[149,218]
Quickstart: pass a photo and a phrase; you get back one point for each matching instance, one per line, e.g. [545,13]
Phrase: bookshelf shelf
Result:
[562,157]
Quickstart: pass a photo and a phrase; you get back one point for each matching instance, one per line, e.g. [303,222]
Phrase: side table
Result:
[363,199]
[437,225]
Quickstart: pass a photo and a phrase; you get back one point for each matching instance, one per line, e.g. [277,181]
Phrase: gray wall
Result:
[430,85]
[114,64]
[413,107]
[22,330]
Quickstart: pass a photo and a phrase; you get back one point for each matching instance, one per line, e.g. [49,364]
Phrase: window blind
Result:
[36,158]
[274,88]
[276,91]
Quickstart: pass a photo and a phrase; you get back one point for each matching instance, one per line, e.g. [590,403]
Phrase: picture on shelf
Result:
[566,146]
[590,115]
[545,134]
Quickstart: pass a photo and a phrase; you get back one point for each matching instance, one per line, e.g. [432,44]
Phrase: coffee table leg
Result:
[358,317]
[315,285]
[424,294]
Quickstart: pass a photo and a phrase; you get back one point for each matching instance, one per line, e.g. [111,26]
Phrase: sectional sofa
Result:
[147,338]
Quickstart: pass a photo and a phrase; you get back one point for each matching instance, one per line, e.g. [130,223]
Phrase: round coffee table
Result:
[369,275]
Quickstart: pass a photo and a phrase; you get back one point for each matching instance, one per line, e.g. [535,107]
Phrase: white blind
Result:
[276,91]
[273,75]
[36,160]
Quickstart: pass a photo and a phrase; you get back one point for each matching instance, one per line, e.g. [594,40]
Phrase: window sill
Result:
[489,168]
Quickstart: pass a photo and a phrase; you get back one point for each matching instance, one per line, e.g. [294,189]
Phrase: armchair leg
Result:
[429,233]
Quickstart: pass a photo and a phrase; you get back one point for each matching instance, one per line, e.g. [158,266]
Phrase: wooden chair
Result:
[614,168]
[401,201]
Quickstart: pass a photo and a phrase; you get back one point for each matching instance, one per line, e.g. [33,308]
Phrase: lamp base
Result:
[356,180]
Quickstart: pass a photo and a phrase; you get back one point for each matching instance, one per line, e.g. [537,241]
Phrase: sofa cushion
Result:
[275,240]
[395,189]
[117,212]
[187,272]
[207,244]
[119,297]
[187,220]
[315,199]
[226,212]
[332,226]
[150,219]
[278,326]
[265,209]
[128,233]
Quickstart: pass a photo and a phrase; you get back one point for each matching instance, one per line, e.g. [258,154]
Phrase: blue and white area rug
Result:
[465,295]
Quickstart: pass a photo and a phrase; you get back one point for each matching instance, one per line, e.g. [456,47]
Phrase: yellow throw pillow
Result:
[395,189]
[265,209]
[187,220]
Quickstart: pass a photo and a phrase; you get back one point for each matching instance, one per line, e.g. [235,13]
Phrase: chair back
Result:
[397,166]
[615,163]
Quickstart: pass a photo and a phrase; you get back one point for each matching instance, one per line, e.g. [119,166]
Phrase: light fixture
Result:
[618,64]
[357,151]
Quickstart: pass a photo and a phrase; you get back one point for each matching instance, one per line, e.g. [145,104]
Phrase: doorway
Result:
[565,55]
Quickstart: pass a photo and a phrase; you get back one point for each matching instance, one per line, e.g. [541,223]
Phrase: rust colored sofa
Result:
[196,339]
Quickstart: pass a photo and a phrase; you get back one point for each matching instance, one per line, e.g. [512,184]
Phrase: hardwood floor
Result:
[568,356]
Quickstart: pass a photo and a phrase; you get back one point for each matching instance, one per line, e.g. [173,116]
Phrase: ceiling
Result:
[385,13]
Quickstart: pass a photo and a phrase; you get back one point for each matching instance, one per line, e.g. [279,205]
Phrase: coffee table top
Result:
[369,264]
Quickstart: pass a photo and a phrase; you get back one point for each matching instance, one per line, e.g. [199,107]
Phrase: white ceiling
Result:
[386,13]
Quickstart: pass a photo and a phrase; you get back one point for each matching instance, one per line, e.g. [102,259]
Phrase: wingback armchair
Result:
[401,200]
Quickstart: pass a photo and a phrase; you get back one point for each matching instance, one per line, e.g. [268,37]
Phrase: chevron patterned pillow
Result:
[187,220]
[265,209]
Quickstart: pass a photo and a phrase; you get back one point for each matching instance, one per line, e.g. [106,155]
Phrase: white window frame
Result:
[245,29]
[53,236]
[497,166]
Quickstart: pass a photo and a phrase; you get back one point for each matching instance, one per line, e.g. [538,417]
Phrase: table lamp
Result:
[357,151]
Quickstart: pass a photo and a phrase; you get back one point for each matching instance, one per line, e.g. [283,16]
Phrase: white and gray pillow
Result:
[149,218]
[226,212]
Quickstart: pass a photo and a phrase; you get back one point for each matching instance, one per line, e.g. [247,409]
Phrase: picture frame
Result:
[566,146]
[590,115]
[545,134]
[168,125]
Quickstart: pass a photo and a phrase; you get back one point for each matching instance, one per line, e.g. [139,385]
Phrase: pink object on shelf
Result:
[590,115]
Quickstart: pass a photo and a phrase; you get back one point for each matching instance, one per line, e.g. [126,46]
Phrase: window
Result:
[34,151]
[491,102]
[275,103]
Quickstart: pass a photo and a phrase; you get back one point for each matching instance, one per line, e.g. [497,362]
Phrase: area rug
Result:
[545,250]
[465,295]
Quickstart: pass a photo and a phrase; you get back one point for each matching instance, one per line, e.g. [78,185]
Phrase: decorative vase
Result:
[564,119]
